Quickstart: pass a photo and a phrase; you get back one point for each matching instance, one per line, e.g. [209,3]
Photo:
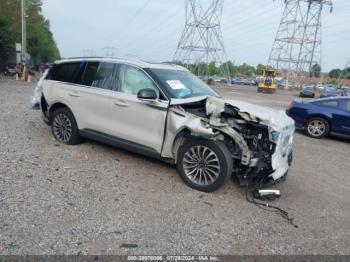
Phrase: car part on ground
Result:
[267,206]
[266,194]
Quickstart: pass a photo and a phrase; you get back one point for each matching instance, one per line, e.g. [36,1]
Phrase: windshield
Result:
[331,90]
[308,88]
[182,84]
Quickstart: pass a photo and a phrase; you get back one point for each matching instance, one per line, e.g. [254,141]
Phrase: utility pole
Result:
[201,42]
[297,46]
[24,39]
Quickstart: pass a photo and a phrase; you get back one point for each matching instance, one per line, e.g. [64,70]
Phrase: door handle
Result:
[121,103]
[73,94]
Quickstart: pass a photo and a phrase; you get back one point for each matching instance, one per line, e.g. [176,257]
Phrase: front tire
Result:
[204,165]
[64,127]
[317,127]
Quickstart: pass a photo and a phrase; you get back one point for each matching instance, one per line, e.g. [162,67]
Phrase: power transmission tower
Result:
[201,42]
[296,51]
[109,51]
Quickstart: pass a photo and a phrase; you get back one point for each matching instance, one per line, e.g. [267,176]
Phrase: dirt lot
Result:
[94,199]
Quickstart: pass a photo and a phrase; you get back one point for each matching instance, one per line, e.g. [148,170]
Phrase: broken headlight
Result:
[274,136]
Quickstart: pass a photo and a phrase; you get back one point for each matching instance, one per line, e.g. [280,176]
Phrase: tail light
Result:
[290,105]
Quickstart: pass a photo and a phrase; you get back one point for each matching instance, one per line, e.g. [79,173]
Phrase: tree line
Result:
[338,73]
[40,42]
[212,69]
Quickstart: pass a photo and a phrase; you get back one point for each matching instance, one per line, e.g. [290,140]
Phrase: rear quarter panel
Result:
[301,113]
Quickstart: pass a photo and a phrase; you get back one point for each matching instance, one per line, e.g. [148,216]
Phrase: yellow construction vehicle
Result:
[267,82]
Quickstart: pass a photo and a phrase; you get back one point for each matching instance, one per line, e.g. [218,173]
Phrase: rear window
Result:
[105,77]
[64,72]
[329,103]
[90,73]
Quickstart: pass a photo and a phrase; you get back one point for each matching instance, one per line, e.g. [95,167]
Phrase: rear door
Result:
[63,86]
[96,99]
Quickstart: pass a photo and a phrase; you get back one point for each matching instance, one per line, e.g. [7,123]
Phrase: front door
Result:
[137,121]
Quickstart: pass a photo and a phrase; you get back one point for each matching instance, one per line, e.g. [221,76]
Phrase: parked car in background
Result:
[329,92]
[346,92]
[237,81]
[248,82]
[321,116]
[281,83]
[10,70]
[257,80]
[320,87]
[307,91]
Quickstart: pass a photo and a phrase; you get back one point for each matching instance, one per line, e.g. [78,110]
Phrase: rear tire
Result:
[64,127]
[317,127]
[204,165]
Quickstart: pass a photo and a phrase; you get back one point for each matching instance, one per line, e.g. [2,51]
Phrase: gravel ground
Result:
[94,199]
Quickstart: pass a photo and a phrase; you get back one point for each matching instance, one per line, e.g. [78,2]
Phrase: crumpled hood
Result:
[277,119]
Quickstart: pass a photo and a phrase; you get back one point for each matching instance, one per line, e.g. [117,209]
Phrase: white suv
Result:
[164,111]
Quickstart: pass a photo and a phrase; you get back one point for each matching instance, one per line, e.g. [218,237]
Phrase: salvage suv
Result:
[164,111]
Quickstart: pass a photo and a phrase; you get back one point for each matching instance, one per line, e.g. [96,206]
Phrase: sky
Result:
[151,29]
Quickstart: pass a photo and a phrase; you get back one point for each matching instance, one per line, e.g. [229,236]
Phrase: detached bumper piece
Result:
[266,195]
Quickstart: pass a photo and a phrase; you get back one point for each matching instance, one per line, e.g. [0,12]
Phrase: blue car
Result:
[329,92]
[320,117]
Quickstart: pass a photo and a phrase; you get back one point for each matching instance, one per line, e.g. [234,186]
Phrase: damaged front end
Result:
[259,139]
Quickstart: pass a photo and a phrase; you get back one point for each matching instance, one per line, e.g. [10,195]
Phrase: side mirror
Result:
[147,94]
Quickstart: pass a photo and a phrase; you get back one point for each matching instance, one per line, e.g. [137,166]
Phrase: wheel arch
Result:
[55,106]
[179,140]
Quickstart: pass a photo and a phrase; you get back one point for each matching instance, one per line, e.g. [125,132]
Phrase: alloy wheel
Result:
[201,165]
[316,128]
[62,128]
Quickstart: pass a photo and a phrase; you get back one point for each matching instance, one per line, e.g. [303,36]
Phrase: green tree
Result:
[260,69]
[335,73]
[246,70]
[315,71]
[6,41]
[346,73]
[212,69]
[334,81]
[40,41]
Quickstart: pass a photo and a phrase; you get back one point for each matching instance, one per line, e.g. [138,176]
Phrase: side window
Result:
[132,80]
[330,103]
[105,76]
[78,77]
[90,73]
[348,105]
[64,72]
